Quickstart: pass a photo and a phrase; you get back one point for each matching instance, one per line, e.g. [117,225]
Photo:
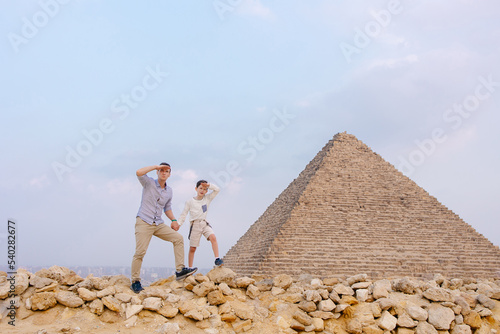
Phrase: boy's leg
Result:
[192,250]
[215,245]
[143,234]
[166,233]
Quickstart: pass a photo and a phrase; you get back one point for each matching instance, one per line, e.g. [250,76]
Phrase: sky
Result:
[243,93]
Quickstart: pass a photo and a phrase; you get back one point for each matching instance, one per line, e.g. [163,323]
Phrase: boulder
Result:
[43,301]
[68,299]
[438,295]
[152,303]
[440,317]
[387,321]
[282,281]
[222,275]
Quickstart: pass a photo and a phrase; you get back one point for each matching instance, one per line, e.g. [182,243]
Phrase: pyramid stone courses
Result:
[348,212]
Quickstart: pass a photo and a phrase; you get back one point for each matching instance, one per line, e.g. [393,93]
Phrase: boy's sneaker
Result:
[219,262]
[137,287]
[185,272]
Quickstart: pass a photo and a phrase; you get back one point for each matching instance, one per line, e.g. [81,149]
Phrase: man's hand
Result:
[175,226]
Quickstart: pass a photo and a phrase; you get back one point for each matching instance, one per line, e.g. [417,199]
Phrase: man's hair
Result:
[164,164]
[200,182]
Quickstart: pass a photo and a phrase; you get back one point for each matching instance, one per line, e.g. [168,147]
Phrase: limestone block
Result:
[361,285]
[354,326]
[486,301]
[312,295]
[322,315]
[201,290]
[357,278]
[461,329]
[96,306]
[362,295]
[123,297]
[252,291]
[169,328]
[156,291]
[152,303]
[372,329]
[440,317]
[318,324]
[40,282]
[424,327]
[387,321]
[168,311]
[282,281]
[132,310]
[277,291]
[242,310]
[326,305]
[43,301]
[225,289]
[302,317]
[216,298]
[473,319]
[111,303]
[307,305]
[381,289]
[438,295]
[406,285]
[242,326]
[221,275]
[108,291]
[244,282]
[342,289]
[69,299]
[406,321]
[86,294]
[417,313]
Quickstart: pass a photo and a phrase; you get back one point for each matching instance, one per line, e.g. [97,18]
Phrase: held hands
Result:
[175,226]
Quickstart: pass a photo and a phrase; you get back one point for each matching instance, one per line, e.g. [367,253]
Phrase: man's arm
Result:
[175,226]
[144,170]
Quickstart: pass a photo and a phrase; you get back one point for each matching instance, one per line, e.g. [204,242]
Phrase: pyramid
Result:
[349,212]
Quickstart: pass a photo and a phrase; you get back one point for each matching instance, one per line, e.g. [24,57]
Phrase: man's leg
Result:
[166,233]
[143,234]
[192,250]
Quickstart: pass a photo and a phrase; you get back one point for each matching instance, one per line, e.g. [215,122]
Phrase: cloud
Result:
[255,8]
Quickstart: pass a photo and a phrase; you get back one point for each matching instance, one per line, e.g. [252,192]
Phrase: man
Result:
[156,197]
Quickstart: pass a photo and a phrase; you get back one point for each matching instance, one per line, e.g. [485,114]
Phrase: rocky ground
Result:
[56,300]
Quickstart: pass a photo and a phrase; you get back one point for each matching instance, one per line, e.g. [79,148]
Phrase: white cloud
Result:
[393,62]
[255,8]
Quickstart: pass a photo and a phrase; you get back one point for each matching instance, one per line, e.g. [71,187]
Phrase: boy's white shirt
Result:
[194,206]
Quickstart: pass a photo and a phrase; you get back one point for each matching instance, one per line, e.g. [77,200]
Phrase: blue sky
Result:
[243,93]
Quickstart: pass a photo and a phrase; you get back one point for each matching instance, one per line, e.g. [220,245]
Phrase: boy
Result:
[197,208]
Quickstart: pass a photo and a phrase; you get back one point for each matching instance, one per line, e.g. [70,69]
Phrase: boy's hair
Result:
[200,182]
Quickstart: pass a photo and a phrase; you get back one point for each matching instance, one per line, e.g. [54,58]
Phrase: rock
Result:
[361,285]
[111,303]
[40,282]
[473,319]
[386,303]
[152,303]
[221,275]
[264,285]
[312,295]
[486,301]
[242,310]
[68,299]
[302,317]
[277,291]
[242,326]
[283,281]
[353,326]
[406,321]
[216,298]
[362,295]
[86,294]
[417,313]
[372,329]
[438,295]
[318,324]
[169,328]
[132,310]
[341,289]
[59,273]
[307,306]
[168,311]
[110,290]
[157,291]
[282,323]
[225,289]
[201,290]
[252,291]
[424,327]
[326,305]
[43,301]
[123,297]
[357,278]
[110,317]
[464,306]
[387,321]
[22,280]
[381,289]
[331,281]
[440,317]
[71,279]
[406,285]
[461,329]
[97,307]
[244,282]
[322,315]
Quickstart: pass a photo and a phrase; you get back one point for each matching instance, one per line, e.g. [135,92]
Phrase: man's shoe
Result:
[219,262]
[185,272]
[137,287]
